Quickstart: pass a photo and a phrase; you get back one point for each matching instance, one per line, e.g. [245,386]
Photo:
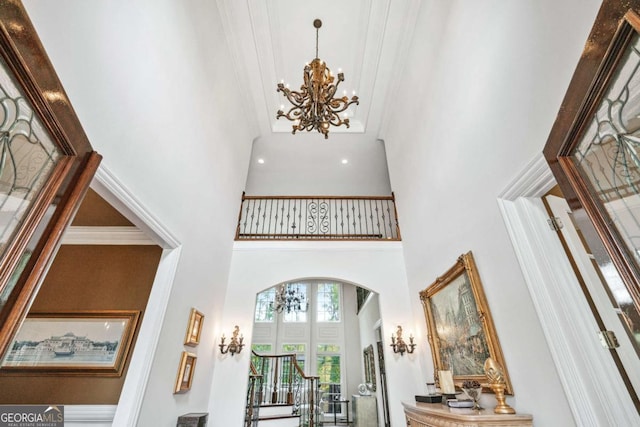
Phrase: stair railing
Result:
[283,382]
[318,218]
[254,397]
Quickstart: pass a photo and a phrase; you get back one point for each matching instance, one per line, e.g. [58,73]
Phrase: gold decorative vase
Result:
[497,384]
[502,407]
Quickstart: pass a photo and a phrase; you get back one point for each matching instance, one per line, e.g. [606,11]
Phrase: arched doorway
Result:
[326,323]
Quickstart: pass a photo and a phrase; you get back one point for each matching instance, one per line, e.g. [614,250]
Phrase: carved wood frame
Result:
[60,197]
[616,24]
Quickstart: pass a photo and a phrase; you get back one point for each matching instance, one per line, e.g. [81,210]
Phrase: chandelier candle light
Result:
[314,107]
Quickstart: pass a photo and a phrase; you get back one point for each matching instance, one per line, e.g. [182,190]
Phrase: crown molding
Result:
[124,236]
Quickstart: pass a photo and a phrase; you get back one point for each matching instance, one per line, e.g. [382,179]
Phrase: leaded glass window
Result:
[27,157]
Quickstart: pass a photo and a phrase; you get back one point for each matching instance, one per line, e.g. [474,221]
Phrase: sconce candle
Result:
[235,346]
[399,345]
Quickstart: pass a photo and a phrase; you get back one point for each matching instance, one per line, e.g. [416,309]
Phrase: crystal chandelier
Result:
[314,106]
[290,298]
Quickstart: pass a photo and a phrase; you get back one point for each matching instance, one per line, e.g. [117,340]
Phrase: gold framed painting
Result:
[194,328]
[185,372]
[93,343]
[461,331]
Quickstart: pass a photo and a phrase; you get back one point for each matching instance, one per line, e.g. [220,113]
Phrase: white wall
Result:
[352,348]
[257,265]
[142,77]
[307,164]
[486,93]
[369,317]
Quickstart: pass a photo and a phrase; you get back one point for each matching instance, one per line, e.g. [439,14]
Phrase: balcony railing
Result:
[317,218]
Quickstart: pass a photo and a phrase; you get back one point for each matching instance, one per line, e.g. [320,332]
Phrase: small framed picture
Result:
[185,372]
[192,337]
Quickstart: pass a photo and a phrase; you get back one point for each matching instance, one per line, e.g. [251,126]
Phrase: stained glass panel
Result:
[27,157]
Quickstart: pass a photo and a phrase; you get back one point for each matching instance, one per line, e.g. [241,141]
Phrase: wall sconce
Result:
[398,344]
[235,346]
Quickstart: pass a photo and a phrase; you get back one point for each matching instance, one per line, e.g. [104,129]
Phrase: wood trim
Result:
[112,235]
[33,73]
[390,198]
[615,26]
[24,294]
[597,44]
[32,219]
[45,89]
[605,229]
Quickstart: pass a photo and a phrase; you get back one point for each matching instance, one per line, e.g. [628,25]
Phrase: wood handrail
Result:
[245,197]
[293,358]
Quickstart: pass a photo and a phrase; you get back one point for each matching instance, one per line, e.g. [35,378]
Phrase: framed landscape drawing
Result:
[461,332]
[185,372]
[77,343]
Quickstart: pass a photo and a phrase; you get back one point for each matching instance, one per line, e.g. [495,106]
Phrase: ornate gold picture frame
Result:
[185,372]
[194,328]
[461,331]
[91,343]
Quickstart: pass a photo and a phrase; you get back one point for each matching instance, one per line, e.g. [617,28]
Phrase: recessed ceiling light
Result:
[261,161]
[345,161]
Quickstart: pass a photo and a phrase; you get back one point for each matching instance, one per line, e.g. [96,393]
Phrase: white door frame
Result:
[596,393]
[113,191]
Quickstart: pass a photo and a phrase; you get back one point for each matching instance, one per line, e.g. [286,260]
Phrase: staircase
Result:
[279,394]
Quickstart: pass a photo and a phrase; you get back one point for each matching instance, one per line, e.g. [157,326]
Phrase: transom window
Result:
[328,302]
[264,306]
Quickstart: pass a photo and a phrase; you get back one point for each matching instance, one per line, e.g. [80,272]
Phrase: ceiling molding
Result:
[390,98]
[126,236]
[271,41]
[232,13]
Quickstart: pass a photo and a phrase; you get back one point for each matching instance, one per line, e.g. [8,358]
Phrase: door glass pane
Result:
[329,373]
[617,292]
[27,157]
[608,157]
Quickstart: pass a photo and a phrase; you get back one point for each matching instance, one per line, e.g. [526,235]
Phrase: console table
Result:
[365,411]
[438,415]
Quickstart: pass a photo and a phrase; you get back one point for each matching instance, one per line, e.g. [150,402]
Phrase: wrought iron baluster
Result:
[270,216]
[377,209]
[253,210]
[359,203]
[288,233]
[341,217]
[246,215]
[390,218]
[263,210]
[300,222]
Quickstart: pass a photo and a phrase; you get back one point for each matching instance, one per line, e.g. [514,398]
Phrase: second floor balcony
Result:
[318,218]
